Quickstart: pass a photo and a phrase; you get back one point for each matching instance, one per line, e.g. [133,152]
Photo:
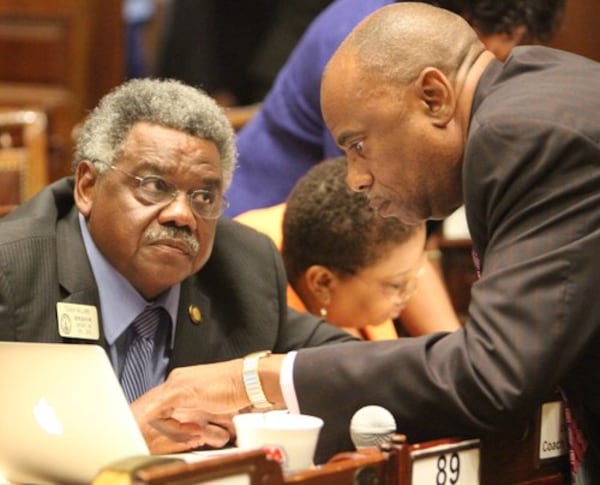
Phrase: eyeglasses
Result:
[153,189]
[402,290]
[405,289]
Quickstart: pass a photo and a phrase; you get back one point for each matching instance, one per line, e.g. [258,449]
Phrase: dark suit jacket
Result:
[240,291]
[531,176]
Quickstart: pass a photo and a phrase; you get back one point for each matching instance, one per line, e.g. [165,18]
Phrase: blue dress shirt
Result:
[120,303]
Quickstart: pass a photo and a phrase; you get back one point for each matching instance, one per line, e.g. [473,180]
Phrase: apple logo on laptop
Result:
[46,417]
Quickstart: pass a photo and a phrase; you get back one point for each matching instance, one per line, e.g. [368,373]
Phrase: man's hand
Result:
[195,404]
[205,430]
[190,394]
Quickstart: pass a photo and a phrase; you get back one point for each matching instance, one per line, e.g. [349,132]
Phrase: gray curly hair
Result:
[168,103]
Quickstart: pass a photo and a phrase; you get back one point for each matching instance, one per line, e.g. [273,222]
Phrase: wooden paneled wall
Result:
[60,56]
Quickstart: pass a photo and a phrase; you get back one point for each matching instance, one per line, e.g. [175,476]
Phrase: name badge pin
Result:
[77,321]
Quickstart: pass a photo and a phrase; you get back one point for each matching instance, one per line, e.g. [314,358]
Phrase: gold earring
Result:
[323,312]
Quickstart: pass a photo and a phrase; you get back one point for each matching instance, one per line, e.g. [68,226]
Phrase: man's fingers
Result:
[216,436]
[173,428]
[191,435]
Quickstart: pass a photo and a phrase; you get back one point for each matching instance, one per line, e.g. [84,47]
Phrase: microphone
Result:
[371,426]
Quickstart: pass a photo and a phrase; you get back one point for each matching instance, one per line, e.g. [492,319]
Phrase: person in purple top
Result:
[288,135]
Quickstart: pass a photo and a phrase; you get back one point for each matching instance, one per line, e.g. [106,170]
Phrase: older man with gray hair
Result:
[136,236]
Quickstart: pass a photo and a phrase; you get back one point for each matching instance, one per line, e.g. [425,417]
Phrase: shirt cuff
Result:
[286,382]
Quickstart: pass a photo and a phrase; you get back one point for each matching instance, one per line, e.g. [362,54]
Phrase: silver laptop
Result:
[63,414]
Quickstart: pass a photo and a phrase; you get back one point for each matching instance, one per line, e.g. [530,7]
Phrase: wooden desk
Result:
[254,467]
[524,455]
[501,460]
[250,467]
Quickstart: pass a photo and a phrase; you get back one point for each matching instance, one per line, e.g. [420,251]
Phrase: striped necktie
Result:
[136,377]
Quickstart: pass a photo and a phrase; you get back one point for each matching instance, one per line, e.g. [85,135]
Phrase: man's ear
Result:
[437,95]
[320,281]
[86,177]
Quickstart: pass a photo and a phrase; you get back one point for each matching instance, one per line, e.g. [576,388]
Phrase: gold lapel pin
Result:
[195,314]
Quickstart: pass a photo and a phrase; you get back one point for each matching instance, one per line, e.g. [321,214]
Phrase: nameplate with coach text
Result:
[553,431]
[454,462]
[77,321]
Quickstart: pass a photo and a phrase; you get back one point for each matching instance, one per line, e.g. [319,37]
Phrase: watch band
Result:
[251,380]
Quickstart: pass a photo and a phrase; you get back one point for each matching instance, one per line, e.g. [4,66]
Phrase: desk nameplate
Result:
[453,463]
[553,431]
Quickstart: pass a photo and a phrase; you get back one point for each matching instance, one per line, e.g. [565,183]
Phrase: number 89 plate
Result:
[446,464]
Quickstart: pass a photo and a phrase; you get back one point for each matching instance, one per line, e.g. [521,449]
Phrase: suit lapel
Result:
[193,326]
[74,271]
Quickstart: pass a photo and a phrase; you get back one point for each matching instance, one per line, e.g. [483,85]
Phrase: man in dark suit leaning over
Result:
[139,227]
[429,120]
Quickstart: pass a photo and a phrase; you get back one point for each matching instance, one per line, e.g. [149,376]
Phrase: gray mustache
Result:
[170,232]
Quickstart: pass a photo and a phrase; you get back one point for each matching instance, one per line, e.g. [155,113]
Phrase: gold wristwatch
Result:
[251,380]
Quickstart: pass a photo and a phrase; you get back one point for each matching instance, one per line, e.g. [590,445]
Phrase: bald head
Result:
[398,41]
[396,96]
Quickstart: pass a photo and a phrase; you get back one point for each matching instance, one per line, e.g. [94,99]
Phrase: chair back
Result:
[23,155]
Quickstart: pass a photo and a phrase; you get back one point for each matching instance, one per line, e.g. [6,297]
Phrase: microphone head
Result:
[371,426]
